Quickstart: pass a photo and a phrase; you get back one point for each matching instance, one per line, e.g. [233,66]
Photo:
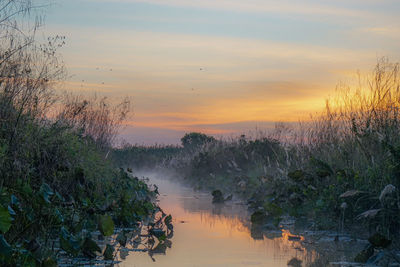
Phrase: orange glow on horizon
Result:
[229,112]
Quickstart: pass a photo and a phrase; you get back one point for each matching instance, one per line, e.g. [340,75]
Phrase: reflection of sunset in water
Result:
[286,235]
[216,235]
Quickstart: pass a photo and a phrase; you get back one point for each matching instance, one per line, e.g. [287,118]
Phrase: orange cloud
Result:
[184,82]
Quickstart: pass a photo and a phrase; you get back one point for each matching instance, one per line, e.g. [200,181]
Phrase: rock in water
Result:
[379,240]
[218,197]
[294,262]
[365,254]
[258,217]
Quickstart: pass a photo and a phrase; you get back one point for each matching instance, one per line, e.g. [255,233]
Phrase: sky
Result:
[222,67]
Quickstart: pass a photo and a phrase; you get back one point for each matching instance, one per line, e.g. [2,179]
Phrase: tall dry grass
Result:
[360,125]
[95,117]
[305,168]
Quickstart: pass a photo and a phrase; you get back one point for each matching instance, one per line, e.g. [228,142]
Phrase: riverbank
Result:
[339,170]
[59,195]
[58,188]
[59,191]
[222,234]
[273,222]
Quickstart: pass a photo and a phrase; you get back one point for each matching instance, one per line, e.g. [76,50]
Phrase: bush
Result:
[332,168]
[56,185]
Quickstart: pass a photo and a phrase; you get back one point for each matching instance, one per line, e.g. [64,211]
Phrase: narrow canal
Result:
[206,234]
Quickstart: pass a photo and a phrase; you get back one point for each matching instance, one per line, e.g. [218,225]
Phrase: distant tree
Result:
[194,140]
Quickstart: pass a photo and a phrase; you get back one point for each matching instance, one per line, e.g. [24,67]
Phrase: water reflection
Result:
[206,234]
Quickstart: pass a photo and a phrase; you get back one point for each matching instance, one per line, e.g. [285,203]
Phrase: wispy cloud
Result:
[183,75]
[384,31]
[178,79]
[271,6]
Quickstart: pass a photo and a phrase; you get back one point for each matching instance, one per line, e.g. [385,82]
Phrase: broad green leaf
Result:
[123,254]
[168,222]
[90,248]
[69,243]
[159,233]
[106,225]
[109,252]
[149,206]
[27,189]
[159,249]
[5,248]
[5,220]
[71,246]
[64,244]
[49,262]
[29,261]
[121,238]
[162,238]
[168,219]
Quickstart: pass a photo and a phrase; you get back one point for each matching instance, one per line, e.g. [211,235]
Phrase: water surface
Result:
[206,234]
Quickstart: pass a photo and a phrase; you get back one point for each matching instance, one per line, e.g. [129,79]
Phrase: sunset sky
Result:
[220,66]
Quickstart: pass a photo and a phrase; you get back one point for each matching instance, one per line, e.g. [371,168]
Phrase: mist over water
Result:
[283,139]
[207,234]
